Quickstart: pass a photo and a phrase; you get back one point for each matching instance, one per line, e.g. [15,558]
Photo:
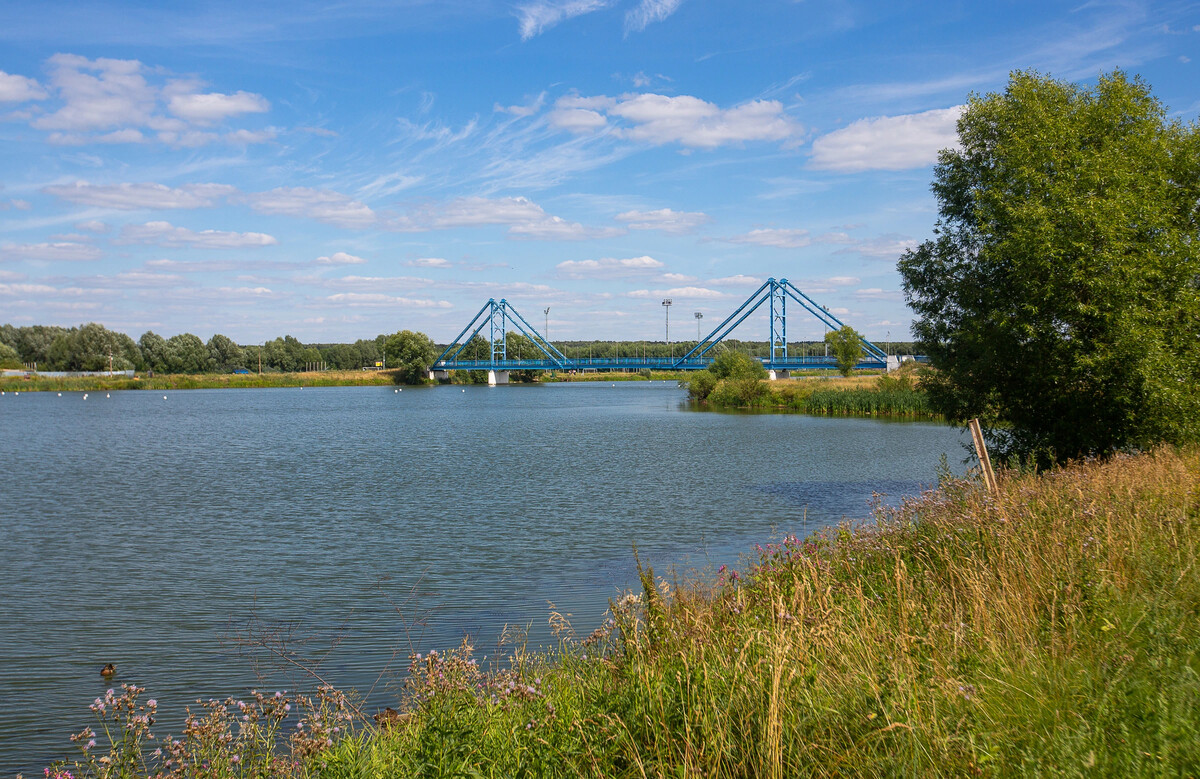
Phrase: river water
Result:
[363,523]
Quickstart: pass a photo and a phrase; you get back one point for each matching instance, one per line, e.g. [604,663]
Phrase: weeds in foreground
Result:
[1051,629]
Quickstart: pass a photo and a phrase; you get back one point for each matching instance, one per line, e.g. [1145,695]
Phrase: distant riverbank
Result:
[180,381]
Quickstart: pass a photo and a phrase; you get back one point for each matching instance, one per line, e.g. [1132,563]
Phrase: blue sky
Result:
[338,170]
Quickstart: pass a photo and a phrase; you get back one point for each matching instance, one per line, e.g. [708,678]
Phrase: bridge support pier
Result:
[893,363]
[440,375]
[497,377]
[775,375]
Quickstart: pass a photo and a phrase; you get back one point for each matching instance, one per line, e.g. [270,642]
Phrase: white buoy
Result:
[464,390]
[164,397]
[85,396]
[395,391]
[107,395]
[400,390]
[60,394]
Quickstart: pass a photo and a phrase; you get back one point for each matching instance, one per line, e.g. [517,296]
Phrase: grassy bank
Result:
[179,381]
[1052,629]
[878,395]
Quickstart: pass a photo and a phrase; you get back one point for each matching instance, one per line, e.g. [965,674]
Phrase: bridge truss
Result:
[497,317]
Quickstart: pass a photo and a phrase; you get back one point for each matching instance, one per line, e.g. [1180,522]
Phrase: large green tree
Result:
[846,345]
[1059,299]
[410,354]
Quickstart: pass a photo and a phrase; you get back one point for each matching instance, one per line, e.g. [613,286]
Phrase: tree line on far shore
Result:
[90,347]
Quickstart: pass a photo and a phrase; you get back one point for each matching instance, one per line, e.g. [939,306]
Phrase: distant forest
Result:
[89,348]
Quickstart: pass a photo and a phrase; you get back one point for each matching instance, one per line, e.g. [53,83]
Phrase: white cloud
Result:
[888,142]
[522,110]
[648,12]
[693,122]
[535,18]
[687,293]
[137,196]
[664,219]
[166,234]
[738,280]
[609,267]
[366,283]
[779,238]
[428,262]
[215,107]
[248,137]
[27,289]
[687,120]
[113,101]
[340,258]
[18,89]
[555,228]
[525,219]
[471,212]
[65,250]
[367,299]
[875,293]
[323,205]
[577,120]
[97,94]
[843,281]
[93,226]
[884,247]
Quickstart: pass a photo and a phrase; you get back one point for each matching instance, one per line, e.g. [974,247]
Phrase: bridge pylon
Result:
[497,316]
[776,293]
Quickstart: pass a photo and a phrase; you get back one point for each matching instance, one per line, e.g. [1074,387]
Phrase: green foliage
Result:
[847,348]
[736,365]
[410,354]
[1059,297]
[739,393]
[186,353]
[9,357]
[224,354]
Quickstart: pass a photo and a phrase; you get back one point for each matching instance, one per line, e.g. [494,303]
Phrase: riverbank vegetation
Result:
[1051,628]
[736,381]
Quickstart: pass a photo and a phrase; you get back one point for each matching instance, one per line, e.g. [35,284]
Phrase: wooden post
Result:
[985,462]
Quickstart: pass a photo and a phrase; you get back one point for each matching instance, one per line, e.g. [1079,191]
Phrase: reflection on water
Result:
[159,534]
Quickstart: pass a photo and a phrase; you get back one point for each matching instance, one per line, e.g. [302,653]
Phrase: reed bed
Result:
[1050,629]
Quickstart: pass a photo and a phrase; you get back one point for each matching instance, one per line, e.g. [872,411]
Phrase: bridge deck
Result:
[637,364]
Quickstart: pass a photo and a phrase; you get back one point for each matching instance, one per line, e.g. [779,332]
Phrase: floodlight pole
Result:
[698,316]
[667,308]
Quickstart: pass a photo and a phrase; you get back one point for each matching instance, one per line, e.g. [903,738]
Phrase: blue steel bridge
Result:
[499,318]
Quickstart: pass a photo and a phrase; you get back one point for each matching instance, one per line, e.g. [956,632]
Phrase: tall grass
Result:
[1051,629]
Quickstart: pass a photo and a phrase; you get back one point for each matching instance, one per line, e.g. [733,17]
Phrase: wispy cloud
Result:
[65,250]
[648,12]
[323,205]
[535,18]
[609,267]
[166,234]
[140,196]
[777,237]
[664,219]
